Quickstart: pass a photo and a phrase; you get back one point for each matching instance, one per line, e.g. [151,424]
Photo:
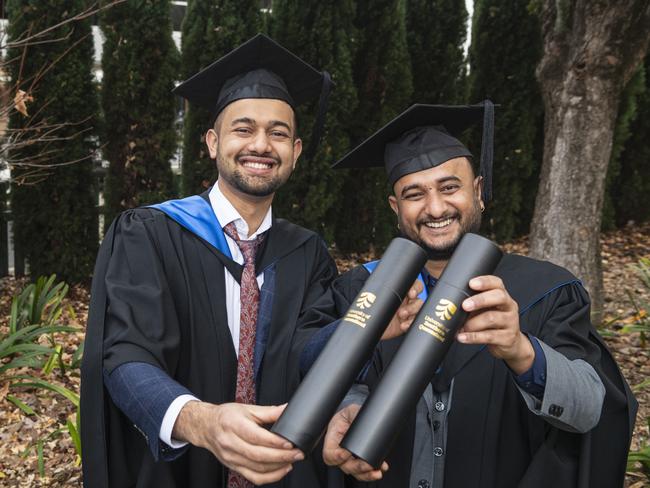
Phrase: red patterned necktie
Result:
[249,302]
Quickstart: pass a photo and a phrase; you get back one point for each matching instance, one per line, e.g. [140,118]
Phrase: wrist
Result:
[187,427]
[524,356]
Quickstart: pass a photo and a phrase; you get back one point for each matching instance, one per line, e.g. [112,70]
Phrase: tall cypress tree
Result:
[140,65]
[320,33]
[210,30]
[55,221]
[502,67]
[630,192]
[384,86]
[436,33]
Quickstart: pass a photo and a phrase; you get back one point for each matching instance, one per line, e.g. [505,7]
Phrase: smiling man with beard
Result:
[528,395]
[191,345]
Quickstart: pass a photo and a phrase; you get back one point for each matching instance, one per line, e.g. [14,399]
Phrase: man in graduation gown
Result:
[191,344]
[528,395]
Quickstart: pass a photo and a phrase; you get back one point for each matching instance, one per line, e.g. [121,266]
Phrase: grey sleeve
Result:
[357,394]
[573,395]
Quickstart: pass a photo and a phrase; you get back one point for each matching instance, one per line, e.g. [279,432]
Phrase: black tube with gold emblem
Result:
[424,347]
[351,345]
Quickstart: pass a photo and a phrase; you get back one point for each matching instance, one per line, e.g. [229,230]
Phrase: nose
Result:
[260,143]
[436,205]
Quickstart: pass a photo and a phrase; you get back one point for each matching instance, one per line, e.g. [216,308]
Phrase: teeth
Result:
[438,225]
[257,165]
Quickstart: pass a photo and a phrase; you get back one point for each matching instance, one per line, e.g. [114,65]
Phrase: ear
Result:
[392,201]
[478,191]
[297,150]
[212,141]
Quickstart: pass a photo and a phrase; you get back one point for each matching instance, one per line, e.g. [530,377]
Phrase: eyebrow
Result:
[242,120]
[415,186]
[272,123]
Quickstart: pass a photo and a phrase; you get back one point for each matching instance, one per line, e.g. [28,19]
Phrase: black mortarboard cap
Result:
[425,136]
[259,68]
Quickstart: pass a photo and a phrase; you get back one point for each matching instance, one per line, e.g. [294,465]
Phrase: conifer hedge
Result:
[322,34]
[436,31]
[629,191]
[55,220]
[382,75]
[505,50]
[139,63]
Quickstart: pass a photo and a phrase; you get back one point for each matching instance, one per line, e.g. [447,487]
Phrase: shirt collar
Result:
[226,213]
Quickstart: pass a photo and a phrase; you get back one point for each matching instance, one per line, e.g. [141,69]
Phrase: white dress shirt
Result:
[225,213]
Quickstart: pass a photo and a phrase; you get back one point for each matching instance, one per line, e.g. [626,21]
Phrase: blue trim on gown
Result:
[370,267]
[196,215]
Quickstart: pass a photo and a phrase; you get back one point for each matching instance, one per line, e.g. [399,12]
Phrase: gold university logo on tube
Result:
[445,309]
[363,302]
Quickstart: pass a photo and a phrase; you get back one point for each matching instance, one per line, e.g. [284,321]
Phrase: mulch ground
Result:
[20,434]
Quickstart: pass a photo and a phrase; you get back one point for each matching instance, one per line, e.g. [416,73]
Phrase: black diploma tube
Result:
[431,334]
[351,345]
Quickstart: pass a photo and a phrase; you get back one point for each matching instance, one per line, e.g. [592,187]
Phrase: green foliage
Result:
[30,345]
[210,30]
[72,428]
[436,34]
[642,320]
[629,182]
[55,221]
[21,349]
[321,34]
[640,456]
[382,74]
[502,67]
[140,64]
[38,303]
[35,314]
[627,113]
[639,460]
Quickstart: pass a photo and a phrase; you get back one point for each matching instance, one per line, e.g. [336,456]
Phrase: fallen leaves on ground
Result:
[19,433]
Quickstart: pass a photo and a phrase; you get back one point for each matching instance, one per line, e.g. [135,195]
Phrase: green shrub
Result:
[54,214]
[639,460]
[29,352]
[642,457]
[641,323]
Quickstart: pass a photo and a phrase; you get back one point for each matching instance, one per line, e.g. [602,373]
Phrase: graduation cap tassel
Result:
[319,123]
[487,149]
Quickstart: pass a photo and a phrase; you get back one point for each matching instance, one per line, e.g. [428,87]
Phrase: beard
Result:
[250,185]
[470,222]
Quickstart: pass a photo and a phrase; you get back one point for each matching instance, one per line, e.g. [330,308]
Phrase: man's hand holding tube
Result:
[335,455]
[406,312]
[494,321]
[235,435]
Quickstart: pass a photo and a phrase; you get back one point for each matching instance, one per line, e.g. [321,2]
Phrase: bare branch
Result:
[89,12]
[42,138]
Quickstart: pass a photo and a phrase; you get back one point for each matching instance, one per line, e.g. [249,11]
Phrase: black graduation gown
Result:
[163,288]
[493,439]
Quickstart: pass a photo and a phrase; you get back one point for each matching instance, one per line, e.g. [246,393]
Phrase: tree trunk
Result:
[591,49]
